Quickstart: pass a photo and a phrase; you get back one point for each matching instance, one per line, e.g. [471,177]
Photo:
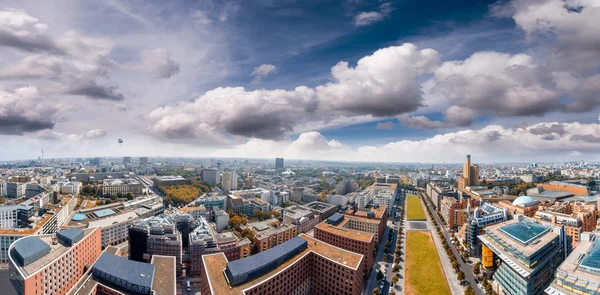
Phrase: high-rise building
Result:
[470,175]
[211,175]
[279,163]
[530,253]
[229,180]
[156,235]
[52,264]
[126,160]
[143,160]
[485,215]
[96,161]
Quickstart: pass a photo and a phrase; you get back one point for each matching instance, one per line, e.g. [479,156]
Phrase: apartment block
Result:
[115,228]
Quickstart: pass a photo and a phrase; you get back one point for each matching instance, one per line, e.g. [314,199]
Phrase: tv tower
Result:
[42,155]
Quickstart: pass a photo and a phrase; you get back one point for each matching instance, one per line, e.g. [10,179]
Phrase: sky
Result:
[356,80]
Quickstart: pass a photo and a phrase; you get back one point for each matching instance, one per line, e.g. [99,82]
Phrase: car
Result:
[385,271]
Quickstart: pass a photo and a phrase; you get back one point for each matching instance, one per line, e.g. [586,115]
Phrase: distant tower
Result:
[279,163]
[219,165]
[42,155]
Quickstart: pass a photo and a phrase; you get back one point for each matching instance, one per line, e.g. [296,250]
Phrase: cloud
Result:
[384,125]
[158,63]
[589,138]
[369,17]
[23,110]
[572,25]
[201,18]
[50,135]
[382,84]
[261,72]
[455,116]
[266,114]
[93,90]
[20,30]
[548,129]
[498,84]
[491,143]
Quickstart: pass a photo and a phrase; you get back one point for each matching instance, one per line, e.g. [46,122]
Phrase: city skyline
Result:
[509,81]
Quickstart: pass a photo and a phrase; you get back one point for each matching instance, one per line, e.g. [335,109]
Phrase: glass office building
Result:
[529,254]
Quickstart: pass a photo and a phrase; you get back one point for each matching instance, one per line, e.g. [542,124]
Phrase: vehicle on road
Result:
[189,286]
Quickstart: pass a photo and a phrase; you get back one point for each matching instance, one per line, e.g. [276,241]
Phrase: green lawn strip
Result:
[424,272]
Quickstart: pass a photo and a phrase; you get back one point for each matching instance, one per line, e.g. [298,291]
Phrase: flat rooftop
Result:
[120,181]
[114,219]
[379,212]
[41,222]
[56,250]
[346,232]
[164,281]
[169,177]
[320,206]
[215,265]
[514,233]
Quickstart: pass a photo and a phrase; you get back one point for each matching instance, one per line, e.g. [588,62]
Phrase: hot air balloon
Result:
[120,141]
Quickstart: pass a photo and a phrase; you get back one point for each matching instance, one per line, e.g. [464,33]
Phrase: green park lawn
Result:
[424,273]
[414,208]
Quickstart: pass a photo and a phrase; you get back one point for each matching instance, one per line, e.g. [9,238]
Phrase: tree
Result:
[469,290]
[379,275]
[461,276]
[395,279]
[375,291]
[489,289]
[476,269]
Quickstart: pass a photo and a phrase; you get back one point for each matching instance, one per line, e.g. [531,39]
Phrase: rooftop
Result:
[524,232]
[113,220]
[41,222]
[120,181]
[169,177]
[379,212]
[164,275]
[582,266]
[319,206]
[346,232]
[134,272]
[215,265]
[56,250]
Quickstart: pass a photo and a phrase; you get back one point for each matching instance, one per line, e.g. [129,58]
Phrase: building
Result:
[304,218]
[155,236]
[210,202]
[324,210]
[122,186]
[339,200]
[302,265]
[347,239]
[211,175]
[530,253]
[206,240]
[229,180]
[484,215]
[247,206]
[566,187]
[346,187]
[13,190]
[270,233]
[382,194]
[221,220]
[456,212]
[114,275]
[522,205]
[576,223]
[115,228]
[168,180]
[438,190]
[96,161]
[470,175]
[143,160]
[70,187]
[47,223]
[279,163]
[126,160]
[52,264]
[580,272]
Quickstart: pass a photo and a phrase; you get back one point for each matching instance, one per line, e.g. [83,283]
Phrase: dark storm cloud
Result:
[18,125]
[96,91]
[589,138]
